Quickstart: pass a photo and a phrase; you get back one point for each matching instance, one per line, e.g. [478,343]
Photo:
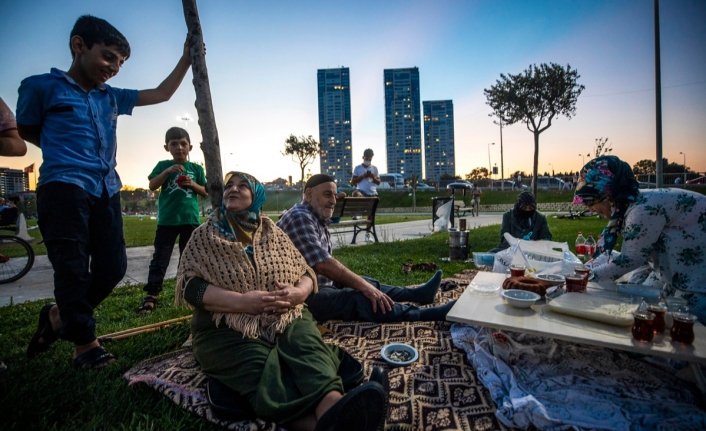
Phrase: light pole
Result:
[684,154]
[490,168]
[502,167]
[552,169]
[185,118]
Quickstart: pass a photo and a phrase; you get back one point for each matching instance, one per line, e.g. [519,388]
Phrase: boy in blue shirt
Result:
[72,117]
[179,182]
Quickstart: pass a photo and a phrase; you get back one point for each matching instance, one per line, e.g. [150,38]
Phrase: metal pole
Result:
[658,100]
[684,154]
[502,168]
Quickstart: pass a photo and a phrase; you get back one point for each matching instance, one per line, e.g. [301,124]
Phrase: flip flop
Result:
[44,332]
[93,359]
[448,285]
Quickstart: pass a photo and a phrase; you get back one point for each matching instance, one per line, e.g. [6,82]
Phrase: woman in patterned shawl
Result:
[251,330]
[665,228]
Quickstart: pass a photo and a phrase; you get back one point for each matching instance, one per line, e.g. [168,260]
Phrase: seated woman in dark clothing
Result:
[523,222]
[251,329]
[8,216]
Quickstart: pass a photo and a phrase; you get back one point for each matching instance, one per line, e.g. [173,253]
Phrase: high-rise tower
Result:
[439,148]
[403,129]
[335,123]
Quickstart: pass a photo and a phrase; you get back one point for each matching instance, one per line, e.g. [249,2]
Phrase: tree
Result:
[303,151]
[644,167]
[602,147]
[539,93]
[478,173]
[447,176]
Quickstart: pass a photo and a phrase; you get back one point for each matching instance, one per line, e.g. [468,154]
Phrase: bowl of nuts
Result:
[397,354]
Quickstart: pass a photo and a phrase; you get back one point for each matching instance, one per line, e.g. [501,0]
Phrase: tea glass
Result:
[517,271]
[683,328]
[574,283]
[462,224]
[659,310]
[674,305]
[582,270]
[642,327]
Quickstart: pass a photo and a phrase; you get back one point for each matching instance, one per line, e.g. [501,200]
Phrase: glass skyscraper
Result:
[438,139]
[335,123]
[403,129]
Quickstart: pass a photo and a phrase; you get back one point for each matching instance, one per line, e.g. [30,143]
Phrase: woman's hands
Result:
[280,301]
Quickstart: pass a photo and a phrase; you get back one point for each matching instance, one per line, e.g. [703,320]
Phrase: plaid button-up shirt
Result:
[310,235]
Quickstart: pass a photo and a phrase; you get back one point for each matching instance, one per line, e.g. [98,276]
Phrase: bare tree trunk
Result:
[204,107]
[536,164]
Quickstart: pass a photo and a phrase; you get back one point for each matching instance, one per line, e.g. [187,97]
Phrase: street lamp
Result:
[552,169]
[502,166]
[684,154]
[185,118]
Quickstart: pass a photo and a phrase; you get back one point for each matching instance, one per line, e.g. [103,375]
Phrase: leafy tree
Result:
[303,151]
[478,173]
[539,93]
[646,166]
[446,176]
[602,147]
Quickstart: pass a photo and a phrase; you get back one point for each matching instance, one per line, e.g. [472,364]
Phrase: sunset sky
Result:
[263,57]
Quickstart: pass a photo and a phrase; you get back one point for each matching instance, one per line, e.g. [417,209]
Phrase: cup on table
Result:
[582,270]
[517,271]
[659,310]
[575,283]
[683,328]
[642,328]
[462,224]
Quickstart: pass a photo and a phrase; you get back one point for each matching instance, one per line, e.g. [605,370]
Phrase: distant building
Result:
[439,150]
[335,123]
[403,121]
[13,181]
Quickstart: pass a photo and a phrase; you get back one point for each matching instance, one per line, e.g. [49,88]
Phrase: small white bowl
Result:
[520,298]
[388,349]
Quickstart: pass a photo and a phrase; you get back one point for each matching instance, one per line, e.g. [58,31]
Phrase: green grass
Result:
[47,394]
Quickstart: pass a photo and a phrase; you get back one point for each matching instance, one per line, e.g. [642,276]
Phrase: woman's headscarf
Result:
[524,218]
[247,219]
[608,177]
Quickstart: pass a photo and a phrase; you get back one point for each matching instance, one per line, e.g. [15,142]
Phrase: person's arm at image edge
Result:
[11,144]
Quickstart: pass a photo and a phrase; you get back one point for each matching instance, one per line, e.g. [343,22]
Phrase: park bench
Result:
[460,209]
[363,209]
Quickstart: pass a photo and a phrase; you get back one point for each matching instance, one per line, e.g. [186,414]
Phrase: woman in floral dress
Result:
[665,228]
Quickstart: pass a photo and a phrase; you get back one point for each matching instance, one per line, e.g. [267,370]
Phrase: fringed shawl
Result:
[224,263]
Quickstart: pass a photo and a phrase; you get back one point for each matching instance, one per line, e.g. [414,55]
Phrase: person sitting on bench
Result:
[8,216]
[251,330]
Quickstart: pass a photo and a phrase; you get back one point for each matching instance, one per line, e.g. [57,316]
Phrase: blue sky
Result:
[263,56]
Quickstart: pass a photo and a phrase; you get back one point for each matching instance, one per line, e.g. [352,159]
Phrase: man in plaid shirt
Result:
[344,295]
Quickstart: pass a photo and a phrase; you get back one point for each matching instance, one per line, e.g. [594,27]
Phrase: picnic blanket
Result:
[438,392]
[558,385]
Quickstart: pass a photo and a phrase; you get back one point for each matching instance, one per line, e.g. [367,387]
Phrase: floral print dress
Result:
[667,229]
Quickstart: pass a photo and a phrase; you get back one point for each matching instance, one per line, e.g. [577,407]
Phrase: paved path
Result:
[38,283]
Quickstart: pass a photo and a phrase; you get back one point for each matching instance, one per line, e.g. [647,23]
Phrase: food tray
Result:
[613,311]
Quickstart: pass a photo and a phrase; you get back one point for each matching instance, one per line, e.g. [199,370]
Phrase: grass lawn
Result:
[47,394]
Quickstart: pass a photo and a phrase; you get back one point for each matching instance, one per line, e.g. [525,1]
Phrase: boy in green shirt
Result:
[179,182]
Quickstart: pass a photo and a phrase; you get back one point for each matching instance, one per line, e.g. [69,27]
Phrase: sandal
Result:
[148,305]
[448,285]
[44,332]
[93,359]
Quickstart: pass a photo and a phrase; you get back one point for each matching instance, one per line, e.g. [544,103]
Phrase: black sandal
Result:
[148,305]
[44,332]
[93,359]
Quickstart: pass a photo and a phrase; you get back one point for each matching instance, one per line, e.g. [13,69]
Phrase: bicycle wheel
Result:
[16,258]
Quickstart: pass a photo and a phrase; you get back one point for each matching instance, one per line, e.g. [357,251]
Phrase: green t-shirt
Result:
[178,206]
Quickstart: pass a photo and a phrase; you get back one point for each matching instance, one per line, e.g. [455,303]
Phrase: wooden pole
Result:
[204,107]
[142,329]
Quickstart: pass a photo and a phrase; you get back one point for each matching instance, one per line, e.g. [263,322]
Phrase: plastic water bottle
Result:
[580,246]
[590,245]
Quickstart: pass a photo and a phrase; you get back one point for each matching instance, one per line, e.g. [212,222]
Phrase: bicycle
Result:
[576,215]
[16,258]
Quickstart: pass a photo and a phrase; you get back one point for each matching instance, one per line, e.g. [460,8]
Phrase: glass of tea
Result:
[582,270]
[642,327]
[517,271]
[659,310]
[574,283]
[683,328]
[674,305]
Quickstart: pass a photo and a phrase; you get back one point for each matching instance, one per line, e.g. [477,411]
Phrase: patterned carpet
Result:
[438,392]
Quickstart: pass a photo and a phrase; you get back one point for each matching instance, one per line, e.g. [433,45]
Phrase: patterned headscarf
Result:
[523,217]
[608,177]
[247,219]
